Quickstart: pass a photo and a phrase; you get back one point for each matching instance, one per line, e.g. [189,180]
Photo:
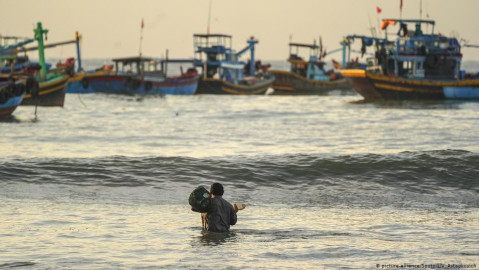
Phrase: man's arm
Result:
[233,217]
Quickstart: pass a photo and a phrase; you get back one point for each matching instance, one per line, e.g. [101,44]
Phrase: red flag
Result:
[142,24]
[378,10]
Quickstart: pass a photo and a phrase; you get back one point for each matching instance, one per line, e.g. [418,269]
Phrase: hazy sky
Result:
[111,28]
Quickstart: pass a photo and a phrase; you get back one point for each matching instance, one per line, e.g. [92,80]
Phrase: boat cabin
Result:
[211,50]
[232,72]
[313,67]
[216,58]
[417,55]
[146,68]
[132,65]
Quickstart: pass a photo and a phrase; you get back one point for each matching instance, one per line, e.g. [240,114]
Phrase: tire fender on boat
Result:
[10,90]
[29,85]
[19,89]
[148,86]
[3,97]
[35,92]
[84,83]
[127,81]
[135,84]
[432,60]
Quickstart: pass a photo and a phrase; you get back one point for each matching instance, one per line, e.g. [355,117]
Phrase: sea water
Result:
[330,182]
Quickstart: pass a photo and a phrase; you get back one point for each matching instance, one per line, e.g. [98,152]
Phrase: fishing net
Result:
[199,199]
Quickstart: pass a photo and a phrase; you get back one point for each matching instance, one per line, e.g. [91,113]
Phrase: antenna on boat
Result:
[166,63]
[209,20]
[400,9]
[141,33]
[371,27]
[420,9]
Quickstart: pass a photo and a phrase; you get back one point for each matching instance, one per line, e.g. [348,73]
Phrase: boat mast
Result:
[400,9]
[39,32]
[141,35]
[209,20]
[251,43]
[140,63]
[420,9]
[77,39]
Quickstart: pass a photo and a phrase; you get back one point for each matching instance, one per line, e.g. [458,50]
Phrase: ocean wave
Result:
[424,171]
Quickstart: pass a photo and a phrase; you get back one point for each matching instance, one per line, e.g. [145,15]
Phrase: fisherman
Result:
[220,214]
[418,31]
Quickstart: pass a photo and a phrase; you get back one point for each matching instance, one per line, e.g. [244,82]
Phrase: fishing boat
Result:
[47,93]
[464,91]
[140,75]
[144,76]
[51,82]
[221,70]
[413,66]
[307,77]
[12,92]
[13,83]
[78,83]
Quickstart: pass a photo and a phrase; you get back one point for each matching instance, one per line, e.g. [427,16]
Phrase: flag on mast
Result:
[378,10]
[142,23]
[400,5]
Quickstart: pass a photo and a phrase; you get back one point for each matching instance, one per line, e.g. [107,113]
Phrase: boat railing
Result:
[425,46]
[372,65]
[217,42]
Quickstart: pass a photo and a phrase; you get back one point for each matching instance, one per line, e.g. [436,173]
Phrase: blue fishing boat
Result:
[78,83]
[12,92]
[464,91]
[221,70]
[413,66]
[307,76]
[13,84]
[143,76]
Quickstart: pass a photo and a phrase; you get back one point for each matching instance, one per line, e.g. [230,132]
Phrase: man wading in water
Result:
[220,214]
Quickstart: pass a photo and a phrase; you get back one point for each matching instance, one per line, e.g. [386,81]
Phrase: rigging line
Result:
[81,101]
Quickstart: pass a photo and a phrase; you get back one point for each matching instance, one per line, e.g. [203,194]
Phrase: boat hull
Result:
[78,84]
[123,84]
[466,92]
[373,86]
[220,87]
[12,92]
[50,93]
[7,108]
[290,83]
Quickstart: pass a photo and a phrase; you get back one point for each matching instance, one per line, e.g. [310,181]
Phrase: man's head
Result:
[217,189]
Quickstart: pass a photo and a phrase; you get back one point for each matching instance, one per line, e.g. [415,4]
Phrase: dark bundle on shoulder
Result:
[199,199]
